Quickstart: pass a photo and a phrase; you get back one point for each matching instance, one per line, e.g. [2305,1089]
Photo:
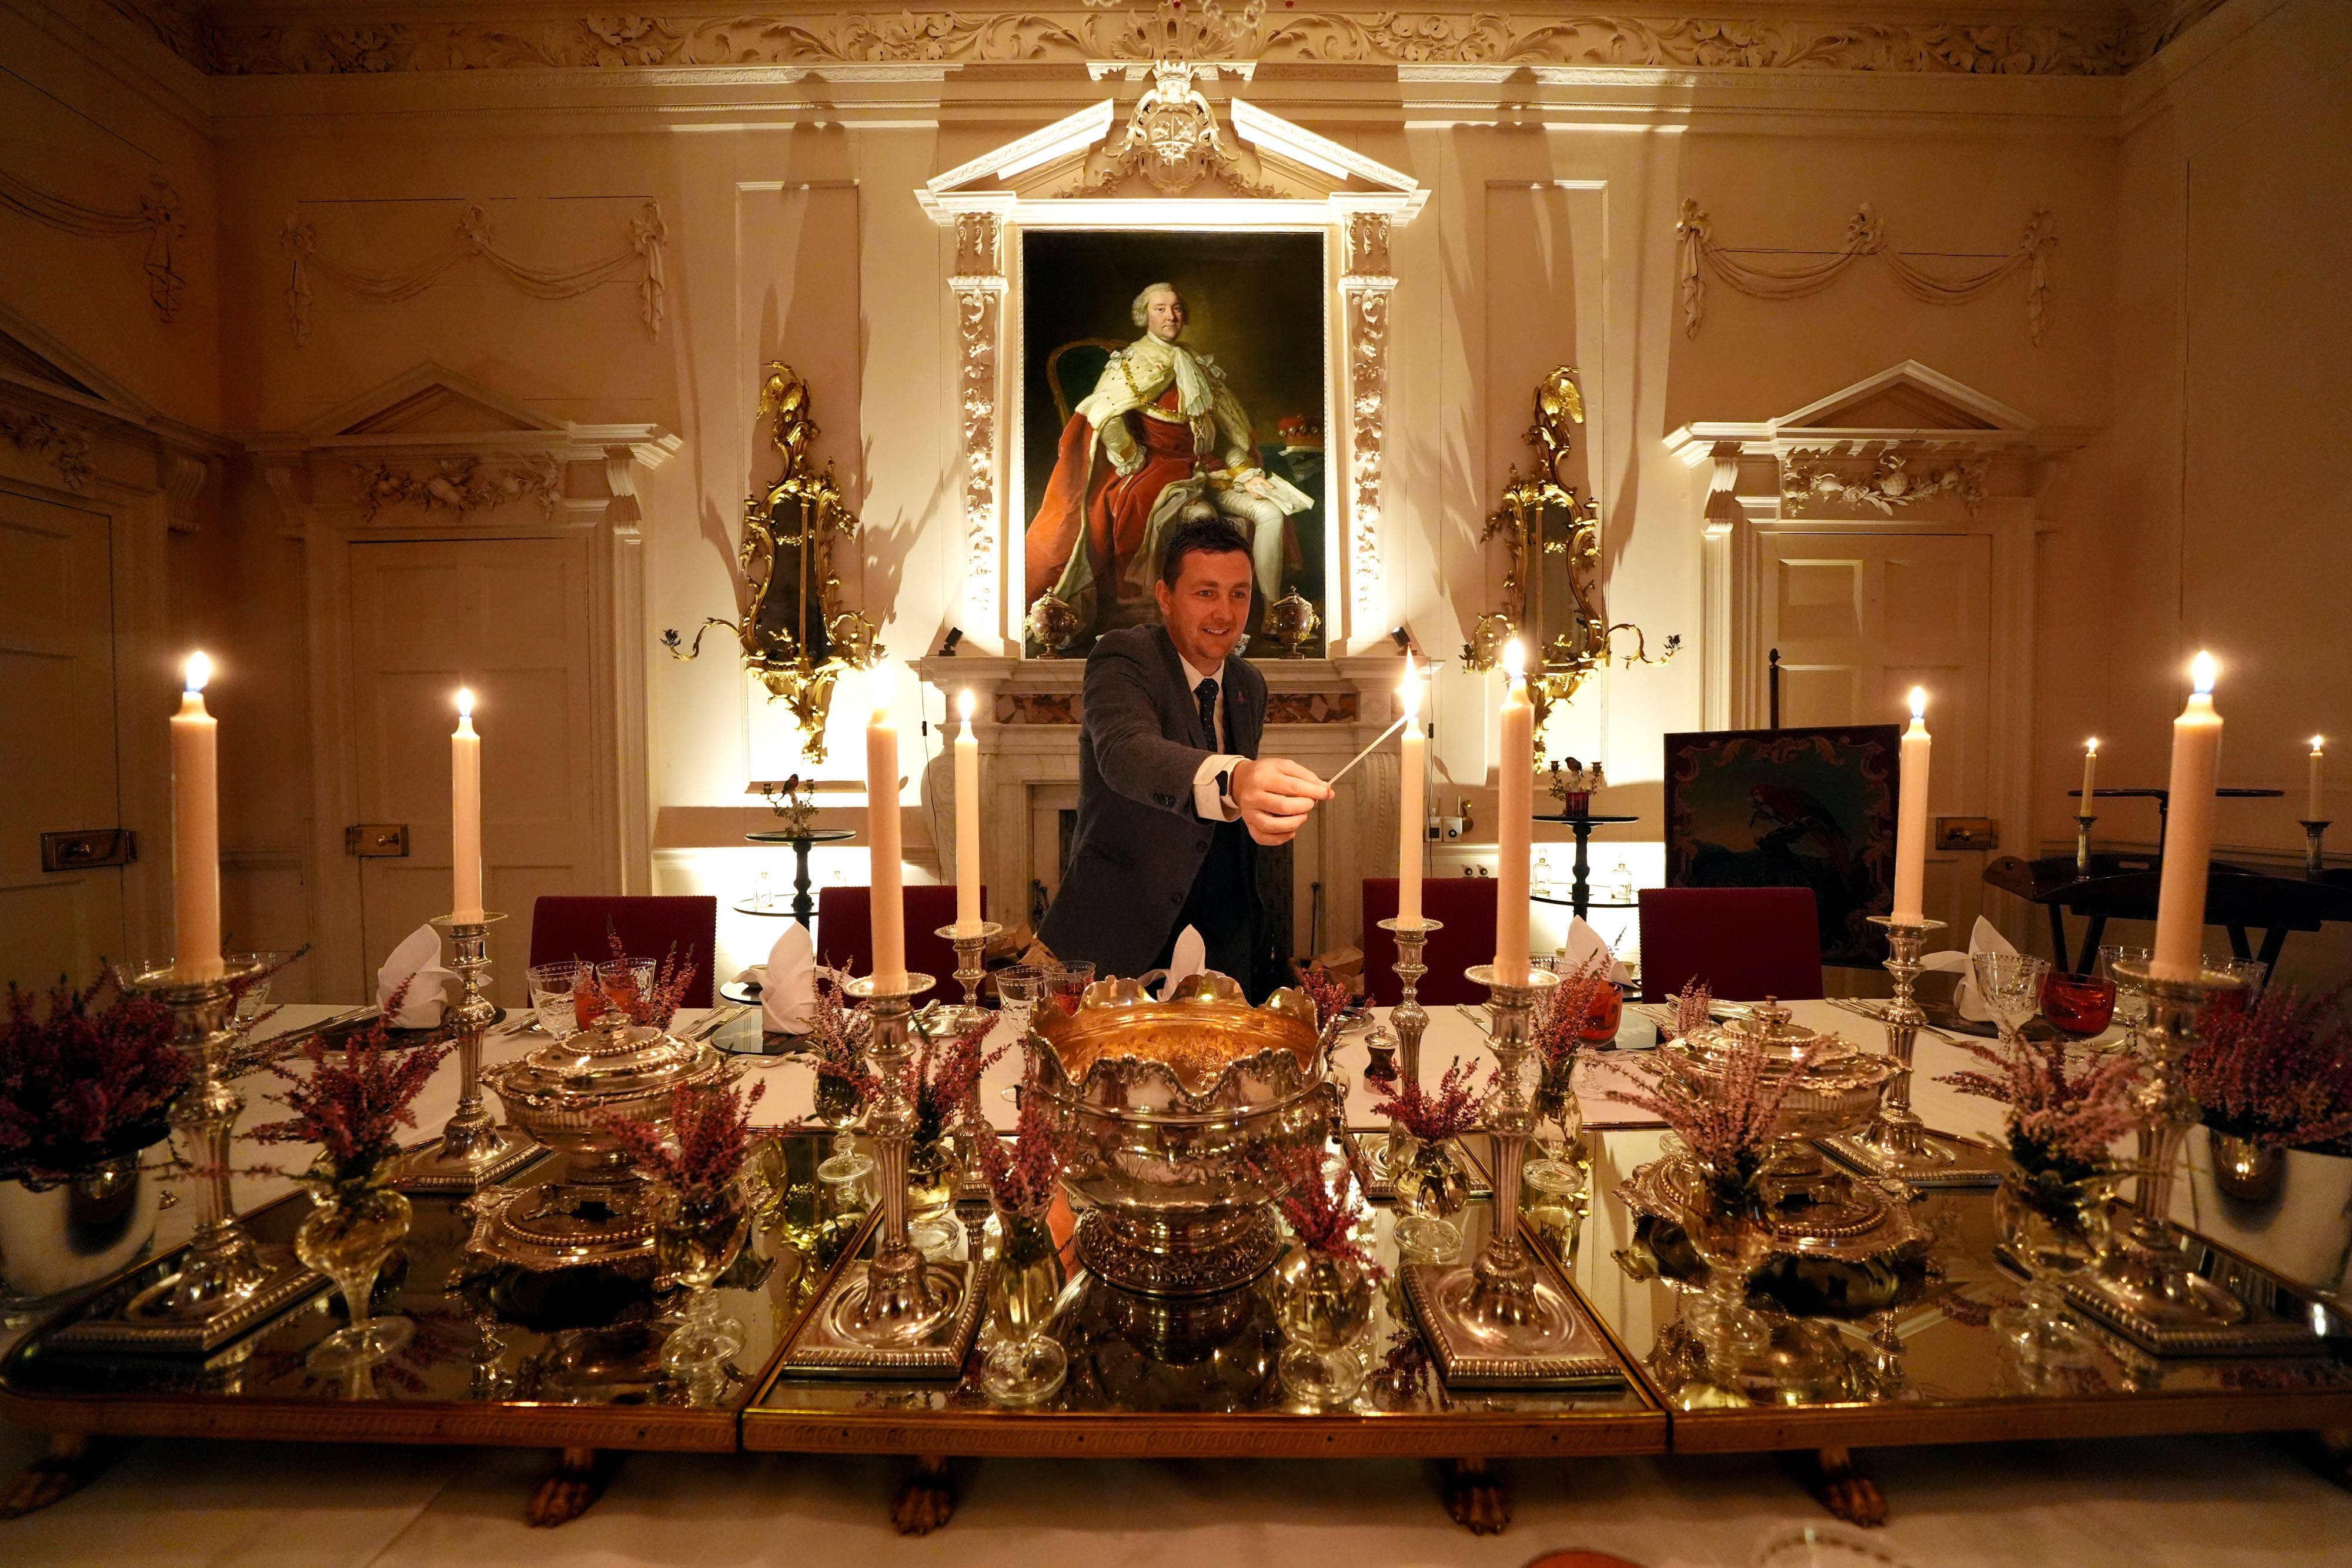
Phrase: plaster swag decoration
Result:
[405,36]
[158,217]
[1810,477]
[472,239]
[67,450]
[1365,289]
[979,285]
[1172,140]
[461,485]
[1864,236]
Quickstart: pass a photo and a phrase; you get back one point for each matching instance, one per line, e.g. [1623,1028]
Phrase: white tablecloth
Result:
[2219,1500]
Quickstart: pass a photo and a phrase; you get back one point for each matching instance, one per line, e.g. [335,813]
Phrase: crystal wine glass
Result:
[2010,984]
[2131,997]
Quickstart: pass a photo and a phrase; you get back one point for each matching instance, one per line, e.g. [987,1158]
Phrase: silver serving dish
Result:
[1838,1085]
[1172,1108]
[561,1094]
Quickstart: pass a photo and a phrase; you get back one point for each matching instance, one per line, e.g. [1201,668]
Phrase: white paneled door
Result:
[57,706]
[1860,619]
[509,618]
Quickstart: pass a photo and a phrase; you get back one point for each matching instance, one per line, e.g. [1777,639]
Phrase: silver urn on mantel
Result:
[1173,1108]
[595,1212]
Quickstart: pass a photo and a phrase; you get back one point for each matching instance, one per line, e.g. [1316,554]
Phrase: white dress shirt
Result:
[1214,805]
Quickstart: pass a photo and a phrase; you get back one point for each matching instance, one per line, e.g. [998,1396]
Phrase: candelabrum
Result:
[225,1284]
[1501,1319]
[2313,832]
[2083,845]
[896,1311]
[1897,1144]
[474,1150]
[970,971]
[1407,1017]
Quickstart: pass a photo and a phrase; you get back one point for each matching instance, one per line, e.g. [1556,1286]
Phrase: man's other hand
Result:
[1274,795]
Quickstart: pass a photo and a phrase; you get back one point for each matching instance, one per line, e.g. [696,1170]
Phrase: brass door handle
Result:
[372,840]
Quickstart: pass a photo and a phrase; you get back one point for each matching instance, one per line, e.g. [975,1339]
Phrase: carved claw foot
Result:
[1831,1476]
[2329,1452]
[580,1478]
[1475,1495]
[928,1500]
[72,1462]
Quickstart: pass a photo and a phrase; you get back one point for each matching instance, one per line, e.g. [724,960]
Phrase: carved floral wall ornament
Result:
[1864,236]
[795,635]
[1172,140]
[1364,290]
[979,285]
[68,451]
[472,239]
[1810,475]
[157,216]
[406,36]
[459,484]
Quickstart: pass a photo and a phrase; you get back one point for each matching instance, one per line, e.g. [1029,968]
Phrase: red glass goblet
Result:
[2078,1004]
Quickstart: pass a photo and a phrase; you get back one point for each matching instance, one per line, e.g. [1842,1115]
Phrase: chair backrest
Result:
[573,926]
[844,932]
[1746,943]
[1465,904]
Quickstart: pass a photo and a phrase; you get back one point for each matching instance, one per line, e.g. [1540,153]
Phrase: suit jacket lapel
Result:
[1186,703]
[1245,726]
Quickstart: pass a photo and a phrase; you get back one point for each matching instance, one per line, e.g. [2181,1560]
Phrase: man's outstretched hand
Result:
[1275,794]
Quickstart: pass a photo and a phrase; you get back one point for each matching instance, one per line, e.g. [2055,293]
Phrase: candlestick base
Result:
[1500,1321]
[225,1285]
[474,1152]
[1408,1019]
[2082,844]
[1897,1144]
[970,971]
[2314,861]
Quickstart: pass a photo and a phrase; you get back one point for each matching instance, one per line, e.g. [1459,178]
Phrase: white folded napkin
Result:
[415,963]
[1985,938]
[1189,958]
[788,994]
[1584,945]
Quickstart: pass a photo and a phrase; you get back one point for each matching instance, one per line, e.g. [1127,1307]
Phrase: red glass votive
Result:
[2078,1004]
[1601,1020]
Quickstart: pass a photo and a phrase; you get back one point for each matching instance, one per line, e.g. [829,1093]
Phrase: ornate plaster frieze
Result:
[68,451]
[1173,140]
[979,285]
[1883,479]
[459,484]
[1364,290]
[1841,39]
[157,216]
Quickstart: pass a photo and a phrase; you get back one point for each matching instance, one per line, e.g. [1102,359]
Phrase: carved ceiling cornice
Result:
[376,36]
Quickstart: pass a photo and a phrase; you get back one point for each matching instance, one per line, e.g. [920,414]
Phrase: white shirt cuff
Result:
[1212,806]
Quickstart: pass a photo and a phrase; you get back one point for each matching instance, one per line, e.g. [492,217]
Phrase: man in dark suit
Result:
[1172,796]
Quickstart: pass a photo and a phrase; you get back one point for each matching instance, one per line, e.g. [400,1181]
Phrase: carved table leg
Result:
[928,1500]
[1476,1497]
[72,1462]
[1831,1476]
[580,1478]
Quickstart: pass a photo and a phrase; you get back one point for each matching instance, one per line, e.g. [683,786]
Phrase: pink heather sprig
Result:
[85,1082]
[1432,1118]
[1323,1217]
[2061,1120]
[2280,1074]
[1692,1005]
[353,1109]
[703,1148]
[945,1074]
[1025,1175]
[836,1038]
[593,995]
[1332,998]
[1557,1022]
[1728,1130]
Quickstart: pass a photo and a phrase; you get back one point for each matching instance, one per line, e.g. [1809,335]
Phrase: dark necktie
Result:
[1207,692]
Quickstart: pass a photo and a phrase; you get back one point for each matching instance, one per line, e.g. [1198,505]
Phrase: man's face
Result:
[1205,611]
[1164,314]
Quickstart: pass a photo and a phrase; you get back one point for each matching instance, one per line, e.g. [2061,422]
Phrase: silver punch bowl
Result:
[1173,1109]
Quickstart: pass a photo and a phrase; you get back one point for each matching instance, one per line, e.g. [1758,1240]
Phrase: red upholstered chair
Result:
[1465,904]
[573,927]
[844,932]
[1746,943]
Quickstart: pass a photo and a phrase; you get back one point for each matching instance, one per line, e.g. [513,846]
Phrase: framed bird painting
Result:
[1791,808]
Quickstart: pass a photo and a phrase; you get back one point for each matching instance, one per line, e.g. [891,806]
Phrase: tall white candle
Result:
[465,814]
[2188,833]
[195,831]
[2319,809]
[967,803]
[889,915]
[2090,774]
[1515,820]
[1412,765]
[1911,818]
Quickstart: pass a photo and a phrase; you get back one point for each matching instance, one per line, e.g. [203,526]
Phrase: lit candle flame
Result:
[2316,743]
[200,670]
[1515,659]
[2202,672]
[1919,702]
[963,705]
[1410,689]
[465,701]
[2091,746]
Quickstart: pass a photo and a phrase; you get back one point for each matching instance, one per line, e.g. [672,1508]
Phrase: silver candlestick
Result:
[225,1284]
[474,1151]
[1499,1320]
[969,970]
[1897,1142]
[1407,1018]
[895,1312]
[2313,832]
[2083,845]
